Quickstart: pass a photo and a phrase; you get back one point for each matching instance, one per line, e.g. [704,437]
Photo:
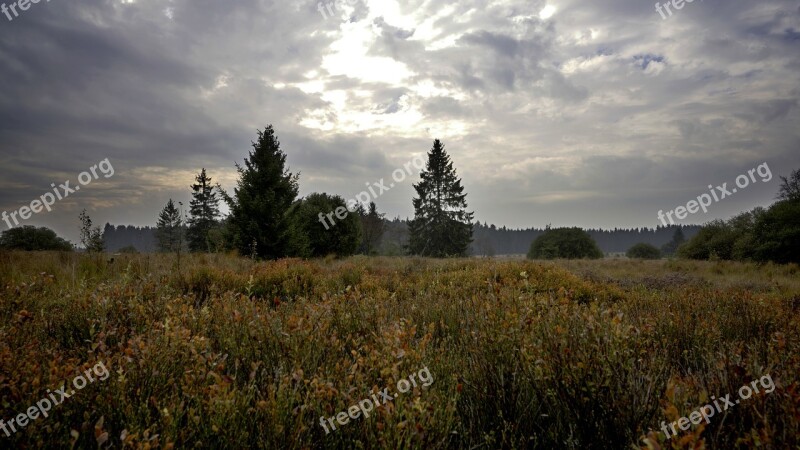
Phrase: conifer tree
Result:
[259,224]
[442,227]
[169,229]
[203,213]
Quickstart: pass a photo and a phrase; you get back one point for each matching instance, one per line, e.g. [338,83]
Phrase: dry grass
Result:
[228,353]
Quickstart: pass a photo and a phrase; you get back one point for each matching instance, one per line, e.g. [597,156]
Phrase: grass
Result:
[229,353]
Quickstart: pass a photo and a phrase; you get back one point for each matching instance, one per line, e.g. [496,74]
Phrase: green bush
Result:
[564,243]
[30,238]
[310,237]
[643,251]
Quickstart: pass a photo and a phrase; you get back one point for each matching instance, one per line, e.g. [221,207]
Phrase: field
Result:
[225,352]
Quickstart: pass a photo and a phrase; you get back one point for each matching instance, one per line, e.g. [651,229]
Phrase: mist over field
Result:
[381,224]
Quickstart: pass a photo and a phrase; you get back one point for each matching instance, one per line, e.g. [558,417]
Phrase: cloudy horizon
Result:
[592,114]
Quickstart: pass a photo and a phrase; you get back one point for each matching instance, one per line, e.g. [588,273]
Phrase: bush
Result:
[643,251]
[566,243]
[309,237]
[776,234]
[30,238]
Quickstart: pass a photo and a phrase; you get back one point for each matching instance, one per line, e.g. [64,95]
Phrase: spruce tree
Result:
[442,227]
[259,224]
[169,230]
[203,213]
[372,228]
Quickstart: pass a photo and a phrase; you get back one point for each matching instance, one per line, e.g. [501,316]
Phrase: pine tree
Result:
[441,227]
[169,230]
[259,224]
[372,228]
[203,213]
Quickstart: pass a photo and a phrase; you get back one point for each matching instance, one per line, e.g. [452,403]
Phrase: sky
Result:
[570,113]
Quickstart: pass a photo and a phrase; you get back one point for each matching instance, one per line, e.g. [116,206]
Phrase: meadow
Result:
[227,352]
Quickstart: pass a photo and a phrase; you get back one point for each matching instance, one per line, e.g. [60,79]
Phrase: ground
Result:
[225,352]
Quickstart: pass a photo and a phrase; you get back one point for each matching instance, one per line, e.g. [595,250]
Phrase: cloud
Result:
[588,113]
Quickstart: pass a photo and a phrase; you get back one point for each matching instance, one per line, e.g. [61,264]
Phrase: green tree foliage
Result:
[169,229]
[760,235]
[91,237]
[643,251]
[203,214]
[259,224]
[566,243]
[776,233]
[671,247]
[790,187]
[442,227]
[311,238]
[372,228]
[30,238]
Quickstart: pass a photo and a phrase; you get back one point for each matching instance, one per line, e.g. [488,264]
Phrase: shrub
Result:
[643,251]
[566,243]
[30,238]
[309,237]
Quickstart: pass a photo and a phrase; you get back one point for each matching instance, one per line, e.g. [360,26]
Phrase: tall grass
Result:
[224,352]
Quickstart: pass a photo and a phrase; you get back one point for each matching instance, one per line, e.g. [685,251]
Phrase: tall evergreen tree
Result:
[259,224]
[169,230]
[372,228]
[442,227]
[203,213]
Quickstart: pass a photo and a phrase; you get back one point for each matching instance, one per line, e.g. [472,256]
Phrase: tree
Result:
[372,228]
[258,223]
[566,243]
[169,229]
[313,235]
[91,237]
[643,251]
[776,233]
[203,213]
[30,238]
[790,187]
[441,226]
[671,247]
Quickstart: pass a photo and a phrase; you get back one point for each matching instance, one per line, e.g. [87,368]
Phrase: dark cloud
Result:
[598,114]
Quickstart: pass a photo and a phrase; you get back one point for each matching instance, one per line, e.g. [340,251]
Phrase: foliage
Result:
[312,238]
[776,233]
[203,214]
[372,228]
[129,249]
[258,222]
[91,237]
[643,251]
[671,247]
[564,243]
[170,229]
[442,227]
[30,238]
[790,187]
[244,354]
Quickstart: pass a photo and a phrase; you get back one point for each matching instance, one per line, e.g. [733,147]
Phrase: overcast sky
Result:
[590,113]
